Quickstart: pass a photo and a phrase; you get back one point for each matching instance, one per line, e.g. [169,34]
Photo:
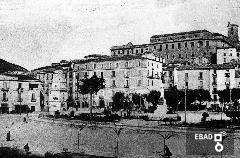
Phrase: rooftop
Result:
[180,33]
[207,67]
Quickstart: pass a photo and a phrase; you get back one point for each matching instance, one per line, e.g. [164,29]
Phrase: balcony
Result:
[20,100]
[214,83]
[33,100]
[126,86]
[200,78]
[113,86]
[5,99]
[5,89]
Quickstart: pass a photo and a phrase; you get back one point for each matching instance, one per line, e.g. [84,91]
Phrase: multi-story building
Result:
[128,74]
[57,84]
[19,92]
[211,77]
[185,47]
[227,55]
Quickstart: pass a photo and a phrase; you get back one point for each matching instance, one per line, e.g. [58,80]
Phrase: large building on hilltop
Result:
[184,47]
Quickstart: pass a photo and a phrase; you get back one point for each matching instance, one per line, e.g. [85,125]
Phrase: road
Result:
[54,137]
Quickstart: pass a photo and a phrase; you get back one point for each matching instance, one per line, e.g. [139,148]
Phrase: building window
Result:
[230,54]
[192,44]
[141,50]
[166,46]
[148,83]
[4,96]
[126,64]
[33,98]
[19,85]
[167,56]
[136,51]
[224,54]
[172,46]
[94,73]
[207,43]
[113,74]
[94,66]
[200,76]
[200,44]
[179,55]
[186,56]
[173,56]
[139,63]
[127,84]
[185,44]
[113,83]
[186,84]
[101,74]
[139,72]
[237,54]
[200,85]
[224,60]
[179,45]
[186,76]
[139,83]
[85,66]
[116,65]
[152,82]
[160,47]
[4,85]
[154,47]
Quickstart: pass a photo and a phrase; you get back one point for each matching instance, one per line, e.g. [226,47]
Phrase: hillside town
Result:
[124,79]
[195,60]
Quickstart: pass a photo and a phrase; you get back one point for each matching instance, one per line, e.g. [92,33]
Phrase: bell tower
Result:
[233,33]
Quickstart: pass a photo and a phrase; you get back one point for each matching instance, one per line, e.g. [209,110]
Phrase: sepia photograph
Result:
[119,79]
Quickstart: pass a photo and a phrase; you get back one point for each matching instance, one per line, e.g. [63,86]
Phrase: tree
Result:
[70,102]
[90,86]
[118,101]
[173,93]
[154,97]
[224,95]
[137,99]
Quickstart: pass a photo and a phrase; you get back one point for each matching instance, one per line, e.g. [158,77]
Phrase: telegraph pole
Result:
[185,105]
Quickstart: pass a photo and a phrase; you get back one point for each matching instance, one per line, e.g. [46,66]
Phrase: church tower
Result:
[233,33]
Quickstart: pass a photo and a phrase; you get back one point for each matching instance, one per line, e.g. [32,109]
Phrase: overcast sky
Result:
[35,33]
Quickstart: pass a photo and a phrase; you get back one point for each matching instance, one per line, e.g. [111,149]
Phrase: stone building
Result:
[227,55]
[19,92]
[183,47]
[211,77]
[57,82]
[128,74]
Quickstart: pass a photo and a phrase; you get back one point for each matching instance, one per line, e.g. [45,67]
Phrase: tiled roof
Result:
[207,67]
[21,77]
[180,33]
[112,58]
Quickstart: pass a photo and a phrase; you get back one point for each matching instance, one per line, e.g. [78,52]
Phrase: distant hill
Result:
[7,66]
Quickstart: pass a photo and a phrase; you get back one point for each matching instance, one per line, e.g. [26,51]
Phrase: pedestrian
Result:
[26,148]
[168,153]
[8,136]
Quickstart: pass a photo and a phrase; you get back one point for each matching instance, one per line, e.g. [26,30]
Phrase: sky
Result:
[36,33]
